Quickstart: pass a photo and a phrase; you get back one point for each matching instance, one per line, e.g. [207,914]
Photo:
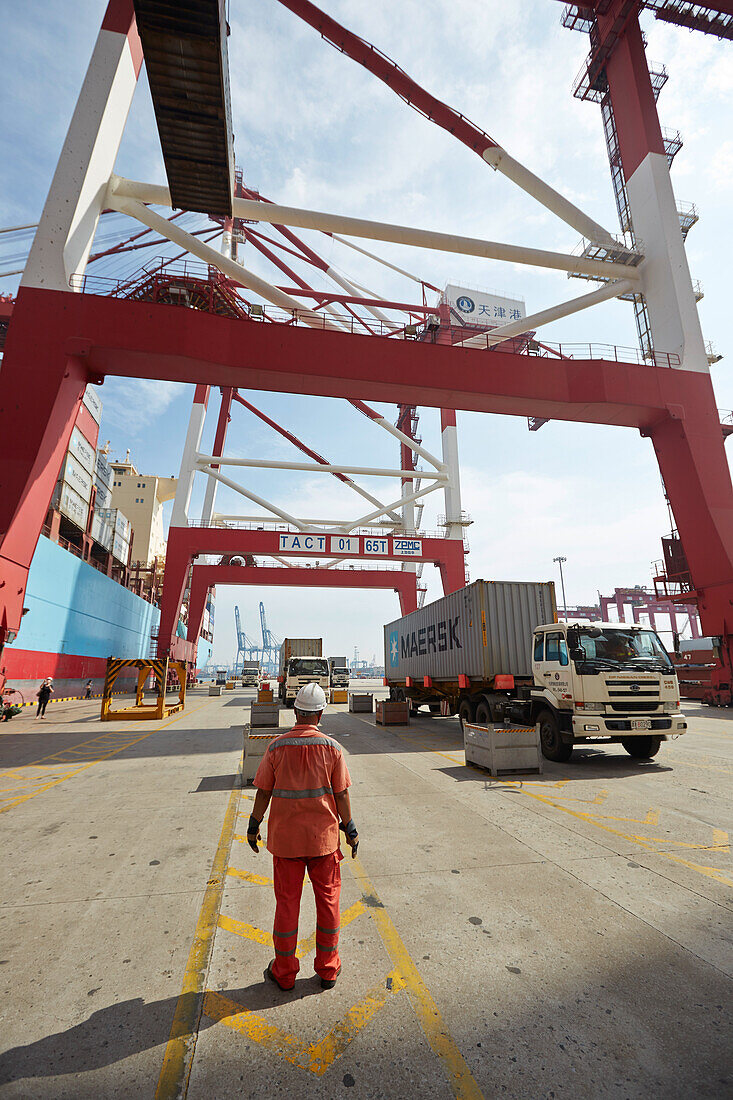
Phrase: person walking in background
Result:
[305,775]
[88,690]
[44,693]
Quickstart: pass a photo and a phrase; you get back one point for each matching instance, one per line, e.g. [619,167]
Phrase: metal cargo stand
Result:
[264,715]
[503,749]
[392,714]
[361,701]
[255,747]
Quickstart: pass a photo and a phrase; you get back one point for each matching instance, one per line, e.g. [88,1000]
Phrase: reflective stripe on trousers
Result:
[325,875]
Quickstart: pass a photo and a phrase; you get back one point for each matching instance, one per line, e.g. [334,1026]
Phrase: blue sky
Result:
[313,129]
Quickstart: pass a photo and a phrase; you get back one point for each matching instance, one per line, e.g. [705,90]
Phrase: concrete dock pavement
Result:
[566,935]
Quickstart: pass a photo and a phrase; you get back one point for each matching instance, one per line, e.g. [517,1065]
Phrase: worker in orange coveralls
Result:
[305,775]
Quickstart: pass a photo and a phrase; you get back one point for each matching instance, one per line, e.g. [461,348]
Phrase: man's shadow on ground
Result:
[131,1027]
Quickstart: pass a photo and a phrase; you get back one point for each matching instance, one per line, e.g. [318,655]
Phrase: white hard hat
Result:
[311,699]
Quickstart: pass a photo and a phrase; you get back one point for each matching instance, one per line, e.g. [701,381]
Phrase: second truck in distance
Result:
[494,651]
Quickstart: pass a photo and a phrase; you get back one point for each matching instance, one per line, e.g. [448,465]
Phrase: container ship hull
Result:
[77,617]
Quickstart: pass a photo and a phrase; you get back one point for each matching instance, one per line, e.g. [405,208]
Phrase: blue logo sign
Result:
[394,650]
[465,304]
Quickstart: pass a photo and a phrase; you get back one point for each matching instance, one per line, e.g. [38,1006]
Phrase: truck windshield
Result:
[625,649]
[305,666]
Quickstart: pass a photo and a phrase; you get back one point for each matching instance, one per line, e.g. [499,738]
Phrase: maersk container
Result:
[70,504]
[480,631]
[102,470]
[82,449]
[74,474]
[93,402]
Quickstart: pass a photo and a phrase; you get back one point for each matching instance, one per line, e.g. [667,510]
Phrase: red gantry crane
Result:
[66,332]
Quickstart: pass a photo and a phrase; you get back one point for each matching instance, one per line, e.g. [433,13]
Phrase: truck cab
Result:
[339,672]
[298,671]
[611,682]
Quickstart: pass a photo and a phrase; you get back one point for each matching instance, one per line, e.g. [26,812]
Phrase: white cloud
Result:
[133,404]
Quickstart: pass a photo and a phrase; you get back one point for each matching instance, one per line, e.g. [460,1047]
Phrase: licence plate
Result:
[641,724]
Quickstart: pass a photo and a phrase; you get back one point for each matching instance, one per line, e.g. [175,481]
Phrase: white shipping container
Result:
[74,474]
[102,531]
[119,521]
[120,548]
[104,495]
[71,505]
[93,402]
[82,449]
[103,470]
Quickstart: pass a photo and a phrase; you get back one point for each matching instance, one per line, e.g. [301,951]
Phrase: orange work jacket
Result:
[303,769]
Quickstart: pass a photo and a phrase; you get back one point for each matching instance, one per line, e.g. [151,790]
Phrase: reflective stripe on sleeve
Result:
[316,792]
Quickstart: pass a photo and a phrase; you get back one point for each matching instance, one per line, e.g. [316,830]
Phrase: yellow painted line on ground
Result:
[316,1057]
[705,767]
[250,876]
[124,741]
[304,947]
[181,1046]
[461,1079]
[716,873]
[246,931]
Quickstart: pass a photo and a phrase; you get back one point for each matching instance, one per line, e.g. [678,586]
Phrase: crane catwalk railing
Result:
[400,330]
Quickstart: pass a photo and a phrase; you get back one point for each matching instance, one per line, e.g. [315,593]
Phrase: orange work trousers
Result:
[325,875]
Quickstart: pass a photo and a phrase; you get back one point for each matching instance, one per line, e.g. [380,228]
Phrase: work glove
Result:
[352,836]
[253,834]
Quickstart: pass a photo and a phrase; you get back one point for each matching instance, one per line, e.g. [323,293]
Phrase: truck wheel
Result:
[553,746]
[466,712]
[483,714]
[435,708]
[642,748]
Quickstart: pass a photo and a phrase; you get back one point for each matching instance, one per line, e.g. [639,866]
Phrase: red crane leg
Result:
[39,402]
[196,608]
[453,566]
[177,562]
[692,459]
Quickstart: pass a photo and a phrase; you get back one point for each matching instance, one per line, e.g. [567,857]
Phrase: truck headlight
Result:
[671,708]
[592,706]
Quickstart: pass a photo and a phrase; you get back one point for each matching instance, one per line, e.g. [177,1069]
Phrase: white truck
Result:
[494,651]
[250,673]
[339,672]
[301,662]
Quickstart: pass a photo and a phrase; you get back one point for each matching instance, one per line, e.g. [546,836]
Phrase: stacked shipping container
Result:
[85,469]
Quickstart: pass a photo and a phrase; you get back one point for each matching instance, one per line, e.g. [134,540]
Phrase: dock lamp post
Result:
[562,585]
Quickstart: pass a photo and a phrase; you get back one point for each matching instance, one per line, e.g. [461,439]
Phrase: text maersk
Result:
[436,638]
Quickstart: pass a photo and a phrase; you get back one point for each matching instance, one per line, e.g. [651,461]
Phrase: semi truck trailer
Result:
[301,662]
[339,669]
[494,651]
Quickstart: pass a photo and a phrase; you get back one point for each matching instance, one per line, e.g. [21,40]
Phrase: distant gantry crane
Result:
[270,646]
[247,650]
